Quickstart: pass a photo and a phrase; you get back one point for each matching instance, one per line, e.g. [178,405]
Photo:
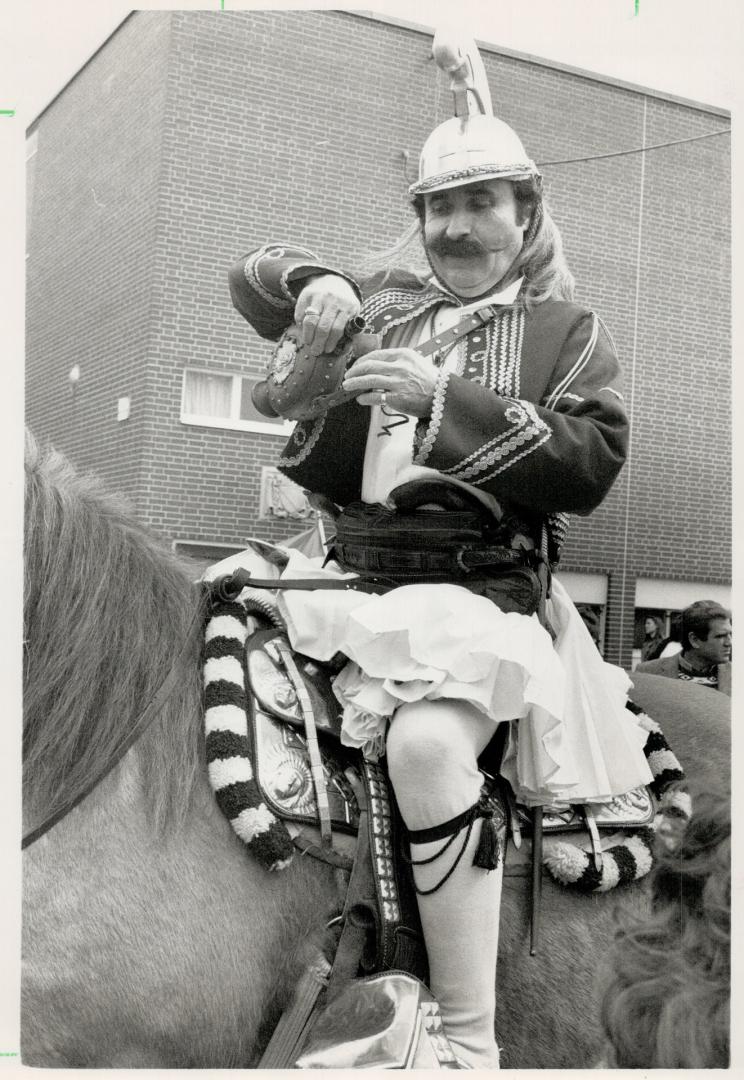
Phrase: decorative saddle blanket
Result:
[257,697]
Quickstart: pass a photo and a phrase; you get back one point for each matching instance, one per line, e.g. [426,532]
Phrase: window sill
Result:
[284,429]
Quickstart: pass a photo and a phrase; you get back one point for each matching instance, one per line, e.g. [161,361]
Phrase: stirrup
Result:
[385,1021]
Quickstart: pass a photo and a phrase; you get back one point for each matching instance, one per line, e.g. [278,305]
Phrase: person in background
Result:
[672,644]
[653,636]
[705,657]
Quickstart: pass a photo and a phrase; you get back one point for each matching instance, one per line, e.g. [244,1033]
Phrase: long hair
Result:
[106,610]
[541,260]
[666,1002]
[405,253]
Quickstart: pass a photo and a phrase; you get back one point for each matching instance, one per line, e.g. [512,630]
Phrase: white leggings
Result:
[432,750]
[432,747]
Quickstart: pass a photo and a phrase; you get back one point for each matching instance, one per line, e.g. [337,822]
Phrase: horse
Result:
[150,938]
[666,1002]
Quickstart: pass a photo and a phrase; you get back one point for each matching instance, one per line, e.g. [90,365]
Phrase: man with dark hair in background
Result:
[706,648]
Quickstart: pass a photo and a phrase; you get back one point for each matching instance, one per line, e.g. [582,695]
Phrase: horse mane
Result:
[106,610]
[667,997]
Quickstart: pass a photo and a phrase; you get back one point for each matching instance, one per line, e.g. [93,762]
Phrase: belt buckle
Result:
[458,559]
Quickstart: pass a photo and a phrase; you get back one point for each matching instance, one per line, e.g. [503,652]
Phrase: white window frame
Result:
[584,588]
[662,594]
[233,422]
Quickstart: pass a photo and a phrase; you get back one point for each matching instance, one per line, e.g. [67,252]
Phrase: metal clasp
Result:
[459,560]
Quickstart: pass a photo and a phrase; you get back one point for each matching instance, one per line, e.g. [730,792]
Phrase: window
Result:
[223,400]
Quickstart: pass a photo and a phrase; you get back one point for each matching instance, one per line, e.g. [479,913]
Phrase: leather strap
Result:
[536,898]
[360,895]
[378,898]
[399,943]
[311,741]
[459,560]
[289,1033]
[447,338]
[591,824]
[464,325]
[327,855]
[229,587]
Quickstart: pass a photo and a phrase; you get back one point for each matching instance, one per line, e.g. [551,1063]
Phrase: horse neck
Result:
[181,907]
[106,617]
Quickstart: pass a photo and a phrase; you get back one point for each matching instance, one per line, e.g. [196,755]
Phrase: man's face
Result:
[472,235]
[716,648]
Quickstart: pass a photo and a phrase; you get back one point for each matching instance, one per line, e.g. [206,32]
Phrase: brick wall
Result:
[90,252]
[230,128]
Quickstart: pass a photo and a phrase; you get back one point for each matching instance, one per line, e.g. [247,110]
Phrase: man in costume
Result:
[491,408]
[706,649]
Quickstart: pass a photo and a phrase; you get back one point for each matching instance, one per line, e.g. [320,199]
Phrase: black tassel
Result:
[488,851]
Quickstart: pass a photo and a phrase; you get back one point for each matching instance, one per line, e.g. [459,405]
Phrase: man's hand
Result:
[407,379]
[323,309]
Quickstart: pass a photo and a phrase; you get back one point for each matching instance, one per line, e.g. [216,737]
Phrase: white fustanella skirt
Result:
[571,739]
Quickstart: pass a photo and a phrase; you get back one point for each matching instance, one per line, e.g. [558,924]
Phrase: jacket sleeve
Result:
[562,454]
[265,284]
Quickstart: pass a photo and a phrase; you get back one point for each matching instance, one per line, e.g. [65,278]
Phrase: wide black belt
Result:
[450,563]
[463,545]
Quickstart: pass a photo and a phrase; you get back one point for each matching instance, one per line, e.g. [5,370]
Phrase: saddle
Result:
[298,780]
[284,689]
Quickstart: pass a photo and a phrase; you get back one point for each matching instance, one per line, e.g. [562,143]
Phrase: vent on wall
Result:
[280,497]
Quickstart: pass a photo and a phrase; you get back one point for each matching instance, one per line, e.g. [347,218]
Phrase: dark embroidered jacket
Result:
[533,415]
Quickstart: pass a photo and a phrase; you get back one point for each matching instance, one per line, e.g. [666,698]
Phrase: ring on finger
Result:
[383,399]
[311,311]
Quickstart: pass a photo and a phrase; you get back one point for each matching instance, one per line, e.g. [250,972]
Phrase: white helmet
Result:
[473,145]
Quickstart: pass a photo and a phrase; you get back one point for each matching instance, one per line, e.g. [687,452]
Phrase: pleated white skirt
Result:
[571,739]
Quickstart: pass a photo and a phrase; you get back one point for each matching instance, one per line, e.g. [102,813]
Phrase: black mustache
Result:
[457,249]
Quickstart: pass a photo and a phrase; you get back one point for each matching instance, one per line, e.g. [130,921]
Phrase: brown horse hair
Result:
[667,992]
[106,610]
